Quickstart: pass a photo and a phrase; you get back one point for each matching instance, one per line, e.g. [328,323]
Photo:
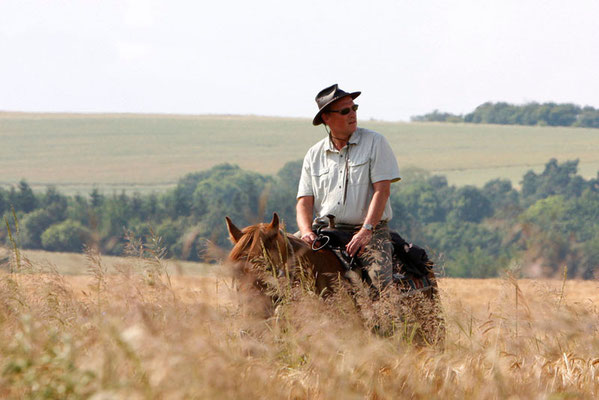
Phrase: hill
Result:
[150,152]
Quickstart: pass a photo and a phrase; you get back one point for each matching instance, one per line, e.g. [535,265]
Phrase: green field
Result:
[151,152]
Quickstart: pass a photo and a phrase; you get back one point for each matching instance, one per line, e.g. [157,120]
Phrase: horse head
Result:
[260,256]
[261,245]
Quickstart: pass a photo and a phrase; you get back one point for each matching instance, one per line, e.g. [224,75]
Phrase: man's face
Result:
[338,123]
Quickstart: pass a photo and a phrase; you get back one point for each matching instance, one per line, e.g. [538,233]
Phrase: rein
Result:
[290,250]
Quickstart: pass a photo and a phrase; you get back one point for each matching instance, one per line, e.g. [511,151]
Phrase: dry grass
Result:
[76,263]
[140,333]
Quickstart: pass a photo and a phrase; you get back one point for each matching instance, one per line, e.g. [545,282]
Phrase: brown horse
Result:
[263,255]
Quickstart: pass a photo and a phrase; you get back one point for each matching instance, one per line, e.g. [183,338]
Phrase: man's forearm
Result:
[304,211]
[378,202]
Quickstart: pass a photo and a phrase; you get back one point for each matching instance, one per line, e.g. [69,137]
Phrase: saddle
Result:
[412,269]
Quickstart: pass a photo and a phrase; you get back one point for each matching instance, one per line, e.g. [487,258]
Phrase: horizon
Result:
[183,114]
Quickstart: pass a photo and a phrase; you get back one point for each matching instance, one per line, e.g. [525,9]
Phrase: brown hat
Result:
[326,97]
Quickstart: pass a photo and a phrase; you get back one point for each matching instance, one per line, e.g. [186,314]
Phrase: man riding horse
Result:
[345,178]
[348,175]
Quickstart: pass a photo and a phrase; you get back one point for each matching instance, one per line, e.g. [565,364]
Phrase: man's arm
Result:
[382,191]
[304,210]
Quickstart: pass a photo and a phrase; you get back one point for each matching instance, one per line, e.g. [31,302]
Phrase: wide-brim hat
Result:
[327,96]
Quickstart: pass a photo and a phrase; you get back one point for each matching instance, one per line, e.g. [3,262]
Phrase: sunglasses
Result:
[345,111]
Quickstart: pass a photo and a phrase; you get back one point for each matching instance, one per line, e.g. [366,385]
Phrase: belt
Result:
[351,227]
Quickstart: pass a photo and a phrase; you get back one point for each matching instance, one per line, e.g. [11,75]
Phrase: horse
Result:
[263,255]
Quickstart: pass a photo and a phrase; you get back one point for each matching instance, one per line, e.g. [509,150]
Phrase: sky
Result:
[270,58]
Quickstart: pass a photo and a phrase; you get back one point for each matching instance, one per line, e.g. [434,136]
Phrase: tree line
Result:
[552,221]
[545,114]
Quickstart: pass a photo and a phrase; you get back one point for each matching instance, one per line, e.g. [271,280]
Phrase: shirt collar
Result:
[354,139]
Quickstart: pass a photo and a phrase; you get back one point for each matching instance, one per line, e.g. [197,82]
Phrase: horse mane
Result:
[297,243]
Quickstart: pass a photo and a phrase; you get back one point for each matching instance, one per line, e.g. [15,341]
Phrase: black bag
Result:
[413,259]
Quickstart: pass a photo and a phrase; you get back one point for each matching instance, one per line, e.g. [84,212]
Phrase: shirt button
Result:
[338,203]
[339,187]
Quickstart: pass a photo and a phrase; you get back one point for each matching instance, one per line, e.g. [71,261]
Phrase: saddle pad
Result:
[412,284]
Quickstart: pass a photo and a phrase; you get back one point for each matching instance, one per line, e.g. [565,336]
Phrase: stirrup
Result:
[320,237]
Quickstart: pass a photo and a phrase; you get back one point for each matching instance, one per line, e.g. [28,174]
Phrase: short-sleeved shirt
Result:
[341,181]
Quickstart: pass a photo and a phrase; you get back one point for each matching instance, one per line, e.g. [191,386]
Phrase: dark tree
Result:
[25,199]
[469,204]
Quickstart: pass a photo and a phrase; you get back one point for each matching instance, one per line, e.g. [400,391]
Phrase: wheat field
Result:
[137,331]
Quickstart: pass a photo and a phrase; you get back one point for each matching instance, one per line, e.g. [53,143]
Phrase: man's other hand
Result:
[358,242]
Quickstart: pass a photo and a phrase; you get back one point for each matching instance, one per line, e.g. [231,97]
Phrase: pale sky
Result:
[272,57]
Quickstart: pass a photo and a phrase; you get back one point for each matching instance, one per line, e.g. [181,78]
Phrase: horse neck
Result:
[323,260]
[297,245]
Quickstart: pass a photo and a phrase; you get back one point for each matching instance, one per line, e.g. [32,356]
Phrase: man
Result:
[348,174]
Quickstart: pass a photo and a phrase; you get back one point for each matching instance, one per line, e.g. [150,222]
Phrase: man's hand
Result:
[358,242]
[309,237]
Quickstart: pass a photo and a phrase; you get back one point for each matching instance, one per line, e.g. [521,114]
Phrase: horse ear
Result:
[274,224]
[234,232]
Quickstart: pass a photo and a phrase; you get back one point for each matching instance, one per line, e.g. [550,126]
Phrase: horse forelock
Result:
[253,238]
[241,248]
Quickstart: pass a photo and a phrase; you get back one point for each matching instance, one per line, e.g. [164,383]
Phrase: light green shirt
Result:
[341,181]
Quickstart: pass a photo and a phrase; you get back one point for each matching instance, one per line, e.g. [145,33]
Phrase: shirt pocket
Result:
[359,171]
[320,177]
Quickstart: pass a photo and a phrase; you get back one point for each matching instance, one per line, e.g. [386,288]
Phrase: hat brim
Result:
[318,118]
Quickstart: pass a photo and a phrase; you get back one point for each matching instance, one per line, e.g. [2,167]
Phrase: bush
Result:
[35,224]
[65,236]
